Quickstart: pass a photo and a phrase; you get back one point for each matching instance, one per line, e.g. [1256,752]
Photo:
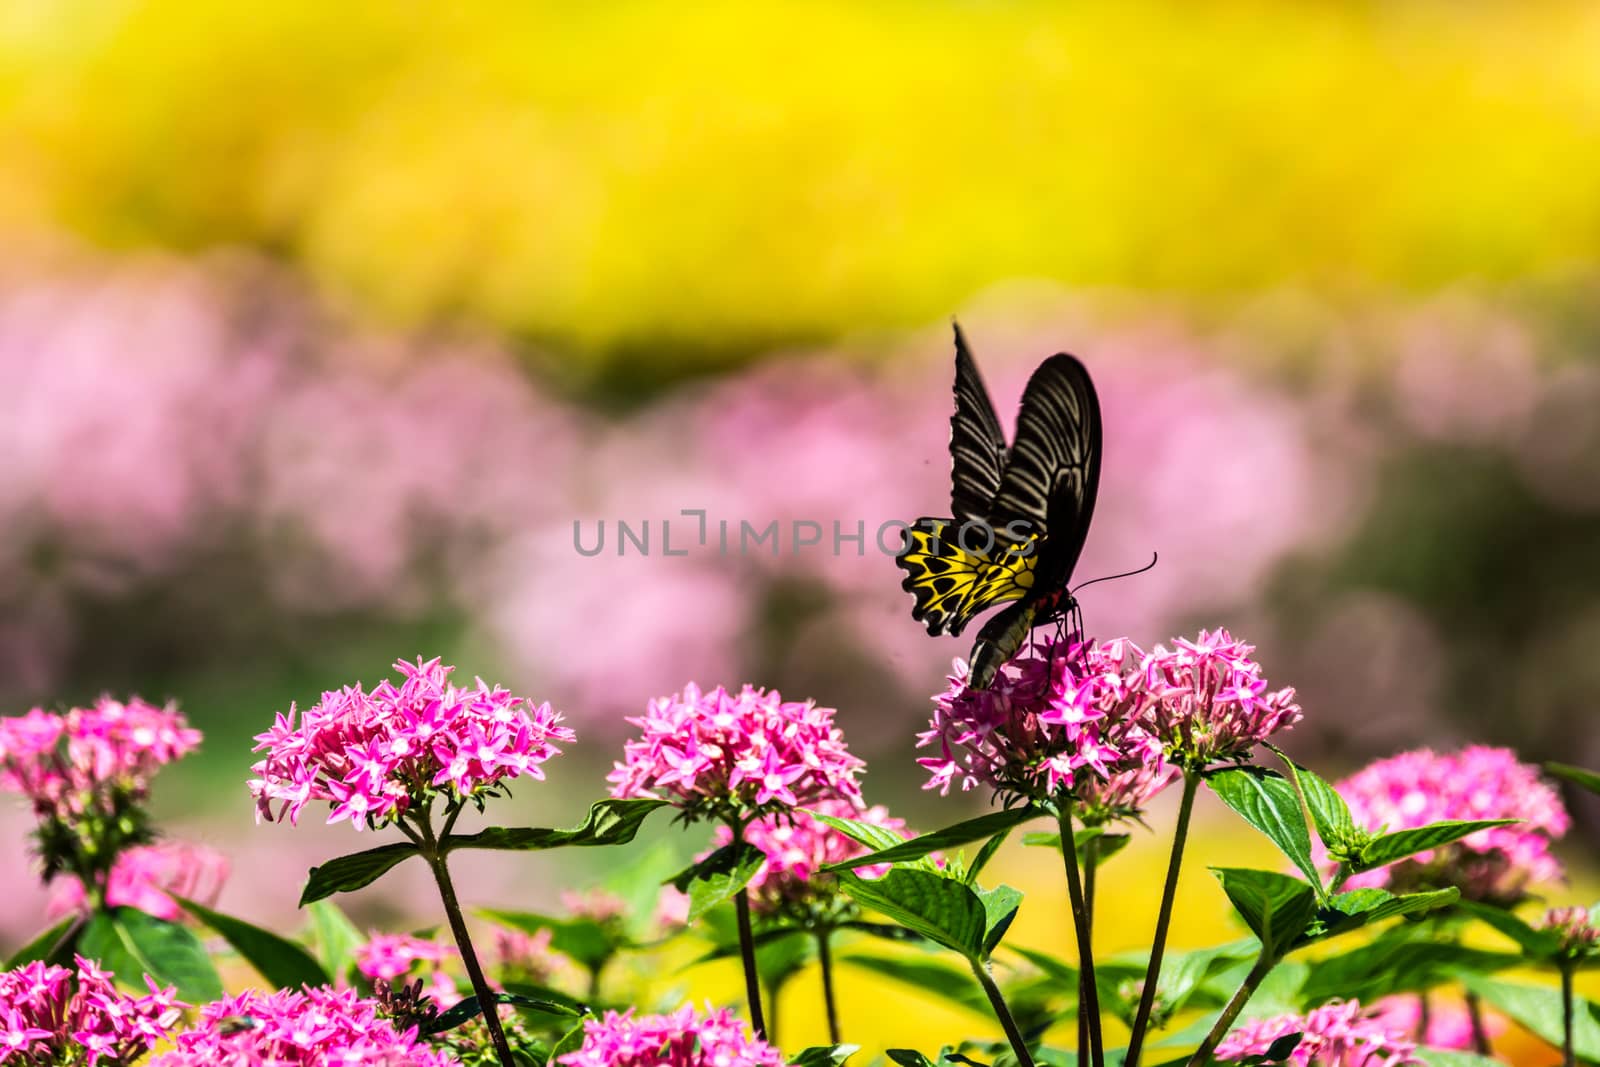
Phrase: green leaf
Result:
[1051,967]
[942,909]
[927,975]
[1269,802]
[1330,815]
[355,871]
[824,1055]
[464,1011]
[583,940]
[1276,907]
[719,876]
[909,1057]
[1344,912]
[277,959]
[336,938]
[131,944]
[48,945]
[981,828]
[1576,775]
[1000,906]
[1539,944]
[866,834]
[1381,851]
[1454,1057]
[609,822]
[1397,962]
[1106,845]
[1539,1010]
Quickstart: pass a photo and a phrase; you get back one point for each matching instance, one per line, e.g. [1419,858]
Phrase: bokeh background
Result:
[321,326]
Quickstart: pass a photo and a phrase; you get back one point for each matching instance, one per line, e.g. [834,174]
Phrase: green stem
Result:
[825,958]
[1224,1023]
[1091,863]
[1080,921]
[458,926]
[1158,948]
[1019,1047]
[1568,1058]
[747,953]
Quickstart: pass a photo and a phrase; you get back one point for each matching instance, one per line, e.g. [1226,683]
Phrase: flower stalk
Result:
[1019,1047]
[825,960]
[1080,921]
[1568,1055]
[1169,893]
[434,855]
[1263,966]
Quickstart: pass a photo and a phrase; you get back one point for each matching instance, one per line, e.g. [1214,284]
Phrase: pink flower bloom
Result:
[686,1038]
[305,1028]
[66,764]
[747,750]
[1209,702]
[375,755]
[1058,717]
[1576,928]
[1417,788]
[798,846]
[1449,1021]
[145,876]
[1338,1034]
[44,1020]
[392,956]
[595,904]
[526,957]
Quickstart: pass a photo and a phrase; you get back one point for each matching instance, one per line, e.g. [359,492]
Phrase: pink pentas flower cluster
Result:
[147,876]
[721,751]
[798,846]
[685,1038]
[525,957]
[314,1027]
[1209,701]
[1060,717]
[1338,1034]
[1576,929]
[1417,788]
[51,1015]
[374,756]
[391,956]
[65,762]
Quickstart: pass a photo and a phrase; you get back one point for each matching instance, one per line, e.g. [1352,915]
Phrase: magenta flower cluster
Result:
[596,905]
[1446,1024]
[391,956]
[147,876]
[797,846]
[1338,1034]
[726,752]
[375,756]
[685,1038]
[67,763]
[314,1027]
[51,1015]
[1209,702]
[1479,782]
[1057,718]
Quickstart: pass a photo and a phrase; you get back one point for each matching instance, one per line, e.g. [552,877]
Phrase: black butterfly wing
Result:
[1052,470]
[977,444]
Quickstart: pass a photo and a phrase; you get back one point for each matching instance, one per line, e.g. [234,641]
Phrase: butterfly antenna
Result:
[1112,577]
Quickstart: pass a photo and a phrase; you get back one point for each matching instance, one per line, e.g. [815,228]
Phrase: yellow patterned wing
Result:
[952,584]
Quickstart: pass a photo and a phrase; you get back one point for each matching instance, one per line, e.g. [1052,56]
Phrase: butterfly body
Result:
[1021,514]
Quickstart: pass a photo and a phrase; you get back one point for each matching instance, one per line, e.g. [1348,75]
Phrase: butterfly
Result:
[1019,514]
